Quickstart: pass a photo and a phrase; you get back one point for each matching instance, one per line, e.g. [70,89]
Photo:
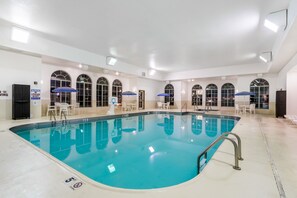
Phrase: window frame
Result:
[117,89]
[84,90]
[197,99]
[227,91]
[102,91]
[211,93]
[169,89]
[60,78]
[260,87]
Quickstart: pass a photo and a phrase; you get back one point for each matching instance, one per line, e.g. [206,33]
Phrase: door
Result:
[141,99]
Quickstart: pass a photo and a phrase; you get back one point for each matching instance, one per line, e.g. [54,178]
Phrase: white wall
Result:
[291,93]
[204,83]
[18,69]
[47,71]
[40,45]
[24,69]
[151,88]
[282,75]
[241,83]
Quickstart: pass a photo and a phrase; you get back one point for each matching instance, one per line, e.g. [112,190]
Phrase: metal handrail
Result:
[237,150]
[238,143]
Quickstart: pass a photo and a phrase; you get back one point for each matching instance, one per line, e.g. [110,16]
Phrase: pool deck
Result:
[269,168]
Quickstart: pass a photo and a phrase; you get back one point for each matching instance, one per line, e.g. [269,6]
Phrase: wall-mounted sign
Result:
[3,93]
[113,101]
[35,94]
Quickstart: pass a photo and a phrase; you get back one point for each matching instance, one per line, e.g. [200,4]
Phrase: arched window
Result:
[102,92]
[84,88]
[196,124]
[83,140]
[211,93]
[196,95]
[261,89]
[169,89]
[60,79]
[227,95]
[117,90]
[101,134]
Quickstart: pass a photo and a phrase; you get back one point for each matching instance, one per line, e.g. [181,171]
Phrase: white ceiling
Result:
[168,35]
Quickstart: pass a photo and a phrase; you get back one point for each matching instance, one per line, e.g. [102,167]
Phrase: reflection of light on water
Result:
[183,127]
[81,130]
[199,117]
[151,149]
[116,151]
[156,155]
[191,140]
[111,168]
[134,132]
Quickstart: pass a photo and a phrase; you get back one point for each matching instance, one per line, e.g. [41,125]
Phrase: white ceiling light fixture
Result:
[117,73]
[20,35]
[152,72]
[266,57]
[111,60]
[275,20]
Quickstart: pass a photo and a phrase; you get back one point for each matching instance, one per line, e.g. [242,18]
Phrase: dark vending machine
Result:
[20,101]
[280,104]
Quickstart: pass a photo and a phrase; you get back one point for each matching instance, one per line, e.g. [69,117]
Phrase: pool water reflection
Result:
[138,152]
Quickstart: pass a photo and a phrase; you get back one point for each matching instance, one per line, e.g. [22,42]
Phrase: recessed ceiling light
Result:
[266,57]
[20,35]
[152,72]
[111,60]
[272,26]
[80,66]
[263,59]
[274,21]
[117,73]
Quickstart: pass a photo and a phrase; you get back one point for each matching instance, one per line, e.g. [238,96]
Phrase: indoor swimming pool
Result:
[143,151]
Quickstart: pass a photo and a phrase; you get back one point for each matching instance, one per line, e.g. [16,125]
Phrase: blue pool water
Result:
[138,152]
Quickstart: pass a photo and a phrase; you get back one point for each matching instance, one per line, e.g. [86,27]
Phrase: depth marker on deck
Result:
[73,183]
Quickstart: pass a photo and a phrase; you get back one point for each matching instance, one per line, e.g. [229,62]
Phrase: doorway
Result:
[141,99]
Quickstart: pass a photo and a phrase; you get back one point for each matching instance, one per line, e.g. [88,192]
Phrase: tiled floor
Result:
[266,141]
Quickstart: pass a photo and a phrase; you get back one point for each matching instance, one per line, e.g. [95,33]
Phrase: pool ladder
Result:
[237,151]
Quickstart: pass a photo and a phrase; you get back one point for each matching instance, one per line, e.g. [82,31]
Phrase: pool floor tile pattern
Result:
[25,172]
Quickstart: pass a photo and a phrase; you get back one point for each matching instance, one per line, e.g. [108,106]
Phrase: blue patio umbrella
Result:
[163,94]
[64,90]
[245,93]
[129,93]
